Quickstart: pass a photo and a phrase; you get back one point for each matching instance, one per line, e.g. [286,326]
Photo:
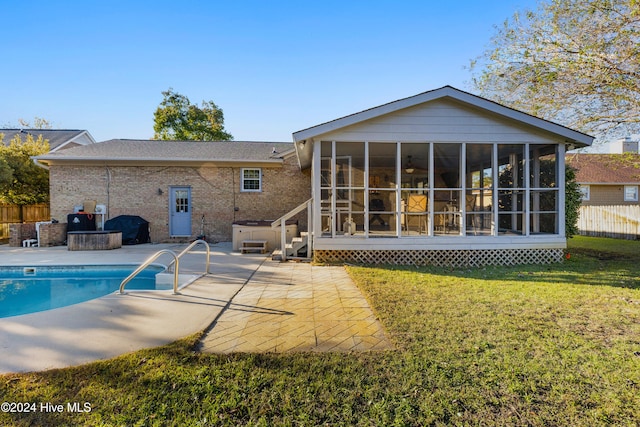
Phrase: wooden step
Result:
[254,246]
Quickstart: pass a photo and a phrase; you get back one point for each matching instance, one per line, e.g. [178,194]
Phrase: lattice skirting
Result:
[443,258]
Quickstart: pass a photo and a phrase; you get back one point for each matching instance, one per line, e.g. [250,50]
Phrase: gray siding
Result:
[440,121]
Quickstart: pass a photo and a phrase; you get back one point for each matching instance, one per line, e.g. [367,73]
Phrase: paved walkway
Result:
[287,307]
[247,303]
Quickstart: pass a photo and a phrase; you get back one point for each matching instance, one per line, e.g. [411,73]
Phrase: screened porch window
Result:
[479,190]
[428,189]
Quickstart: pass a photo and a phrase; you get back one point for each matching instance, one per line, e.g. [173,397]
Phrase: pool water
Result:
[31,289]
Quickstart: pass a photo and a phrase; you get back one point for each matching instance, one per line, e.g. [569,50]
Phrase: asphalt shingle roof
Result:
[154,150]
[605,168]
[56,137]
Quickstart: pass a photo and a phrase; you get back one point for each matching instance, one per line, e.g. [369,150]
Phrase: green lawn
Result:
[536,345]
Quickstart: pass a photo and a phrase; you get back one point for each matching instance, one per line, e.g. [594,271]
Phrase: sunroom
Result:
[443,177]
[420,190]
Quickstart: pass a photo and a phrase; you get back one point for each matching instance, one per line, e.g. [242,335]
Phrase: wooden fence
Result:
[12,214]
[619,221]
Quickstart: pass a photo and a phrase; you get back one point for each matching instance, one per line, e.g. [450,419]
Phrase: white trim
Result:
[367,174]
[172,189]
[242,180]
[316,192]
[334,224]
[462,178]
[431,230]
[585,191]
[74,140]
[561,169]
[526,220]
[398,180]
[634,197]
[441,242]
[58,159]
[396,239]
[495,196]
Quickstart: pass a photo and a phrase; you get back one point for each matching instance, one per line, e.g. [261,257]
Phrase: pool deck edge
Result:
[117,324]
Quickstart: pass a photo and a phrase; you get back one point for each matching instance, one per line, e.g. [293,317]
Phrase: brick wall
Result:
[20,232]
[215,193]
[50,234]
[53,234]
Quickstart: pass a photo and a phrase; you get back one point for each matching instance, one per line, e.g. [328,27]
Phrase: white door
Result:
[180,211]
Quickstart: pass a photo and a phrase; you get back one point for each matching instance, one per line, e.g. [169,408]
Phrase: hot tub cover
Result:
[135,230]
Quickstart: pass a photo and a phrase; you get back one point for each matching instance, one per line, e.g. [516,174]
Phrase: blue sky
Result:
[274,67]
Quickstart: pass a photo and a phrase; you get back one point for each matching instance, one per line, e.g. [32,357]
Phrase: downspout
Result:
[108,170]
[233,193]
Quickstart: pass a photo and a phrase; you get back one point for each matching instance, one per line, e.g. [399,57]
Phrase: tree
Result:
[573,200]
[177,119]
[22,182]
[38,123]
[576,62]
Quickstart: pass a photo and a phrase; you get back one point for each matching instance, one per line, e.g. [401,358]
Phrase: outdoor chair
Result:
[416,208]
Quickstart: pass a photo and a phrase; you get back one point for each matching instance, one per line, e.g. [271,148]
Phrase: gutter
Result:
[37,163]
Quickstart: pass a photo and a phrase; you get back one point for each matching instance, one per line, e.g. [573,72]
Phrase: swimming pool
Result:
[31,289]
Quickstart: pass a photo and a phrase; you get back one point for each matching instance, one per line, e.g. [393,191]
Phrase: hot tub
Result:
[262,230]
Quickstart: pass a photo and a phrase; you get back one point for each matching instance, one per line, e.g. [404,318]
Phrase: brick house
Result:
[443,177]
[183,188]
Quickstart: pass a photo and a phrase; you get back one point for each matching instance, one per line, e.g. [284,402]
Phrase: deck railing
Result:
[282,223]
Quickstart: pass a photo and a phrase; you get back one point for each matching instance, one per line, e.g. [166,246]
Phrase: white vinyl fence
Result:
[620,221]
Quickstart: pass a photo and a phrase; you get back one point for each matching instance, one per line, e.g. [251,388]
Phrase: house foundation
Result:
[443,258]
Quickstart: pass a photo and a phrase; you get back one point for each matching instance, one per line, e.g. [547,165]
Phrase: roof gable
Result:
[444,92]
[58,138]
[453,95]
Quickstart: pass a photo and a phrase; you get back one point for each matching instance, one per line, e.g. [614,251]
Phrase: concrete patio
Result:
[247,303]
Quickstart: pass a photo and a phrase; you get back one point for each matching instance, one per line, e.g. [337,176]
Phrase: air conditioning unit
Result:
[101,209]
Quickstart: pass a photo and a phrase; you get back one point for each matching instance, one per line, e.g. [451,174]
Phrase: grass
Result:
[532,345]
[605,247]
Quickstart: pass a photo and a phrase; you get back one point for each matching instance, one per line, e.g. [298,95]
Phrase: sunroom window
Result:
[479,190]
[433,189]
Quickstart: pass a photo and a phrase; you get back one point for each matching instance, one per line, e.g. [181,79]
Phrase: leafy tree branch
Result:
[21,181]
[576,62]
[177,119]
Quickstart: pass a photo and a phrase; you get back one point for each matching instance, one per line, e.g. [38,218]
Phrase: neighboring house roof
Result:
[58,138]
[605,168]
[130,151]
[569,136]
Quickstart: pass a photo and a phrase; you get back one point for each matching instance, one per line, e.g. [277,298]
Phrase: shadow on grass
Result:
[583,268]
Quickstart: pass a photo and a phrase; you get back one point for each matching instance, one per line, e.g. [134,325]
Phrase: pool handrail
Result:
[149,261]
[188,248]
